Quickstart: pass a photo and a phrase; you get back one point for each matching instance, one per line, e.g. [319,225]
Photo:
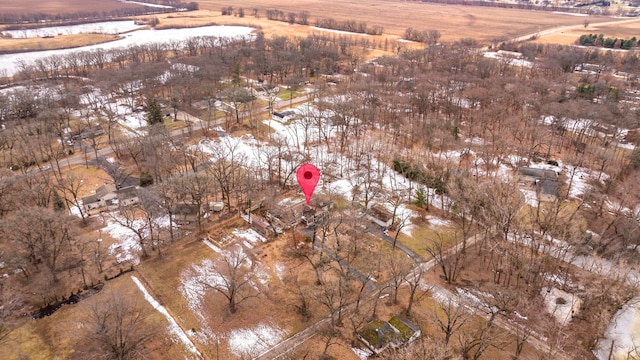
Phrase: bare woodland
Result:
[406,110]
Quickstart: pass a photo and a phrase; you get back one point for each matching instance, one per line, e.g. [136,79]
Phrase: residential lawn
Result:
[163,275]
[285,94]
[422,236]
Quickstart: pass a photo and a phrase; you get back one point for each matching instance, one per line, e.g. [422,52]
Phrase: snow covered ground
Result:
[126,247]
[338,31]
[562,305]
[174,328]
[8,62]
[147,4]
[106,27]
[623,333]
[251,342]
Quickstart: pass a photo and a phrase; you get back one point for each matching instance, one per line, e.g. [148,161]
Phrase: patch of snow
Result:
[174,328]
[476,141]
[252,342]
[623,333]
[134,121]
[126,247]
[249,234]
[213,247]
[76,210]
[569,13]
[9,62]
[342,187]
[562,310]
[362,354]
[280,270]
[338,31]
[530,197]
[520,316]
[146,4]
[247,244]
[106,27]
[436,221]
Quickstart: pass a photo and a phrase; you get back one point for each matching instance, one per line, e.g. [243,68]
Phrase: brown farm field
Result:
[58,42]
[486,24]
[61,6]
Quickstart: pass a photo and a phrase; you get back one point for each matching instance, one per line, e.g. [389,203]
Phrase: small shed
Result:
[396,332]
[185,213]
[216,206]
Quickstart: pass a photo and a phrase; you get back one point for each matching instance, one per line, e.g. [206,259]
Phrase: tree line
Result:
[83,16]
[609,43]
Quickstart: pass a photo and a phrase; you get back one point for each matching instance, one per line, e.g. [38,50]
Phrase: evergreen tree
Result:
[154,112]
[420,198]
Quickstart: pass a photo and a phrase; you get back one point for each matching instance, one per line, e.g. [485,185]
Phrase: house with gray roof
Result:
[380,335]
[543,181]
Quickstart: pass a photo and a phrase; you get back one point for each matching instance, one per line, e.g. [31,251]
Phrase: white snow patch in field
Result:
[530,197]
[261,272]
[126,247]
[254,341]
[247,244]
[174,328]
[106,27]
[10,62]
[476,141]
[362,354]
[562,310]
[280,270]
[436,221]
[342,187]
[147,4]
[213,247]
[134,121]
[193,289]
[569,13]
[338,31]
[623,331]
[75,210]
[249,234]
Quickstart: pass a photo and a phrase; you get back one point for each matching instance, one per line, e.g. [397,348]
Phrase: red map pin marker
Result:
[308,176]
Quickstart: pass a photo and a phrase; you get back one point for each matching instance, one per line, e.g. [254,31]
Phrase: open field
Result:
[58,42]
[624,30]
[486,24]
[61,6]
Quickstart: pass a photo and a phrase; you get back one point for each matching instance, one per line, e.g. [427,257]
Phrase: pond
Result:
[105,27]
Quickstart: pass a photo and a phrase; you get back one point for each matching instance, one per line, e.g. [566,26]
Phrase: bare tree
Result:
[233,277]
[71,186]
[118,327]
[450,262]
[398,265]
[450,317]
[43,236]
[301,293]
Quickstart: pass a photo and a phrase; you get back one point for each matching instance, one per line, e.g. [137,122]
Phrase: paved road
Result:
[570,27]
[196,124]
